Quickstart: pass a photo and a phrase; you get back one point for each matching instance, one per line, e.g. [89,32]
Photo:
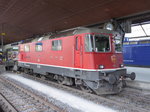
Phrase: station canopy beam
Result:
[24,19]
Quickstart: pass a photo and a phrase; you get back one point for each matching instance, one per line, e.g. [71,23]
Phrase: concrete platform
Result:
[142,80]
[138,85]
[142,74]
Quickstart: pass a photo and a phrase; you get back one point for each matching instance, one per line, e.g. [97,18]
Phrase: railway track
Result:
[133,97]
[104,100]
[6,105]
[14,98]
[111,101]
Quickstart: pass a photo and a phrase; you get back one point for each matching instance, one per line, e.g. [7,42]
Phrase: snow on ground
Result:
[62,96]
[142,74]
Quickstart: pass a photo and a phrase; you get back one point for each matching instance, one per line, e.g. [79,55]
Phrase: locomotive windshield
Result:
[102,43]
[97,43]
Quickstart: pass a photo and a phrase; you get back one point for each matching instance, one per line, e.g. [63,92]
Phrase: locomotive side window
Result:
[26,48]
[21,48]
[57,45]
[88,43]
[38,47]
[118,44]
[102,43]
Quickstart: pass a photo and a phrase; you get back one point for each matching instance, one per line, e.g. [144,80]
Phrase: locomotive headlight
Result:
[121,65]
[108,26]
[101,66]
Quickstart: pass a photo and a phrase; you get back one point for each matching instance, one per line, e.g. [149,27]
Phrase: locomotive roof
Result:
[79,30]
[92,30]
[71,32]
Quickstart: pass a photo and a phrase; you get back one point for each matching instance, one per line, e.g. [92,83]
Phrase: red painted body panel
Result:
[96,59]
[47,56]
[69,56]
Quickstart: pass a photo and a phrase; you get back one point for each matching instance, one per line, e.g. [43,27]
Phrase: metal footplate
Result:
[6,105]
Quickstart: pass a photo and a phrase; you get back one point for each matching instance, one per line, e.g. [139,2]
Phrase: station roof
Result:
[21,19]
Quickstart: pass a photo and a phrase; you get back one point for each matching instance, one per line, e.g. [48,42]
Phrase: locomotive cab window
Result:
[26,48]
[118,44]
[89,43]
[97,43]
[102,43]
[38,47]
[57,45]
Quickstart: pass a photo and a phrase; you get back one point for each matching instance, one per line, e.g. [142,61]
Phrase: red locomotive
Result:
[87,57]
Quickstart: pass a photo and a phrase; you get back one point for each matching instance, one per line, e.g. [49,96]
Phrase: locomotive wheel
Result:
[31,72]
[65,80]
[85,89]
[26,71]
[60,80]
[42,77]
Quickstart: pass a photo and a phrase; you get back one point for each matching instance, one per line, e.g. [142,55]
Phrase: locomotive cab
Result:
[102,57]
[105,50]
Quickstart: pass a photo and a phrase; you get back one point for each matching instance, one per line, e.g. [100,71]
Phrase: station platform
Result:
[142,74]
[142,80]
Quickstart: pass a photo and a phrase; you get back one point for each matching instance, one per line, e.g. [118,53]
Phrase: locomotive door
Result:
[78,52]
